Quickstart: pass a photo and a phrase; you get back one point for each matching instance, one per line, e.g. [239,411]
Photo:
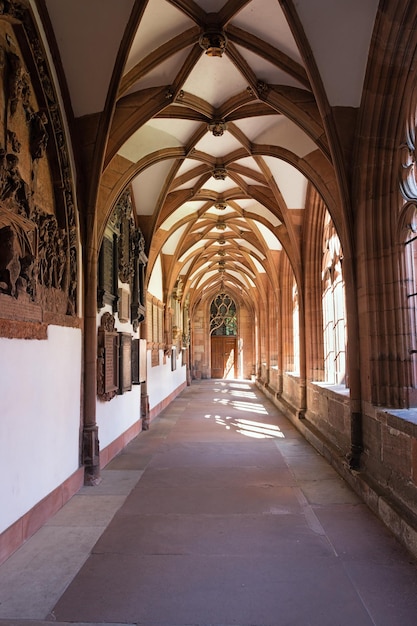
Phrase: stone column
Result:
[91,448]
[303,359]
[354,347]
[144,397]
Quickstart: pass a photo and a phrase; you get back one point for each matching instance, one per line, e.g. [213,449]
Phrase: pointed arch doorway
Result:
[223,337]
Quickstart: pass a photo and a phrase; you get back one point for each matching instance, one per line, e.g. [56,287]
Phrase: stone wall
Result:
[328,409]
[201,345]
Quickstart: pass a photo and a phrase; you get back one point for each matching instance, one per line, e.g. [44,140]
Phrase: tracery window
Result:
[333,302]
[223,320]
[411,288]
[408,225]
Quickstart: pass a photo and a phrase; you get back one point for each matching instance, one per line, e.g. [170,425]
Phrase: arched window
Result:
[333,300]
[410,245]
[408,236]
[223,319]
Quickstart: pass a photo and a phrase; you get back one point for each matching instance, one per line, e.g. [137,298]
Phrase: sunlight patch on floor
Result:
[243,394]
[241,400]
[248,428]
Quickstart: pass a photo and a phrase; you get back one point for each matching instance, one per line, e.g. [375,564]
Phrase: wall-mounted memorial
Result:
[122,260]
[108,361]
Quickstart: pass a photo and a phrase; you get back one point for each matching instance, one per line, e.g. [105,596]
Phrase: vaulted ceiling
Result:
[220,114]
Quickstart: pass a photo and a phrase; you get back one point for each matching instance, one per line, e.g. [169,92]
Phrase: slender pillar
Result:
[91,448]
[144,397]
[303,360]
[356,437]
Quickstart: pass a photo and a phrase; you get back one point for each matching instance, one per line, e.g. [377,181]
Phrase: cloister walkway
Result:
[220,514]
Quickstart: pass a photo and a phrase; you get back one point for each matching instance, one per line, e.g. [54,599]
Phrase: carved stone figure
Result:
[18,81]
[38,134]
[13,141]
[13,189]
[17,251]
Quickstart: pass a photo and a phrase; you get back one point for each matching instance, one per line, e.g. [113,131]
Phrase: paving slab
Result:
[212,590]
[286,536]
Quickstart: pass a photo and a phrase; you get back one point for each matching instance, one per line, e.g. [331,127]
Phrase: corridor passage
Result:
[220,514]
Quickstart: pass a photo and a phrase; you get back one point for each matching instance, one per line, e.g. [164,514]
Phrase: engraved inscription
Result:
[13,310]
[123,305]
[110,377]
[125,362]
[135,361]
[108,265]
[107,358]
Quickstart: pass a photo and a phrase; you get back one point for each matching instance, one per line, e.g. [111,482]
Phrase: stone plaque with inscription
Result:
[124,298]
[125,362]
[138,361]
[107,272]
[108,358]
[111,377]
[135,361]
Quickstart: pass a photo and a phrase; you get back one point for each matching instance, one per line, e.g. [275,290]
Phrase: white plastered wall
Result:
[40,418]
[162,381]
[117,415]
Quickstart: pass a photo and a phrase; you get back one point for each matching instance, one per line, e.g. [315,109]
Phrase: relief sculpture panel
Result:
[38,222]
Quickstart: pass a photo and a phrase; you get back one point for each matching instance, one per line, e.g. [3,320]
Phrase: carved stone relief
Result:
[38,230]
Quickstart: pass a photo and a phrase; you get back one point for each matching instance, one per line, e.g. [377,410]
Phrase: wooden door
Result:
[223,357]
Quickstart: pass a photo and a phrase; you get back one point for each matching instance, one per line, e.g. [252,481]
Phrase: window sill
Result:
[339,390]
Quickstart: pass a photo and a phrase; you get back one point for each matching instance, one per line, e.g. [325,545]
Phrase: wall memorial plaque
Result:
[142,360]
[107,279]
[107,358]
[135,362]
[124,305]
[111,348]
[138,361]
[125,362]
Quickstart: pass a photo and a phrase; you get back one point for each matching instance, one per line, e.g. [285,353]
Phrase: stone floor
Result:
[220,514]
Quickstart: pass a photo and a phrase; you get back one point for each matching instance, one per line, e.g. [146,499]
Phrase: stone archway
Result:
[223,336]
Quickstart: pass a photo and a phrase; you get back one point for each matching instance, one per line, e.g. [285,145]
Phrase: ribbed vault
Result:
[220,119]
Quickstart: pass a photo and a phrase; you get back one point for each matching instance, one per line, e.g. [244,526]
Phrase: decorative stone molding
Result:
[262,89]
[217,127]
[408,174]
[213,41]
[219,173]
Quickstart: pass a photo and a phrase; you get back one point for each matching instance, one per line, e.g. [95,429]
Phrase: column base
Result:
[91,456]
